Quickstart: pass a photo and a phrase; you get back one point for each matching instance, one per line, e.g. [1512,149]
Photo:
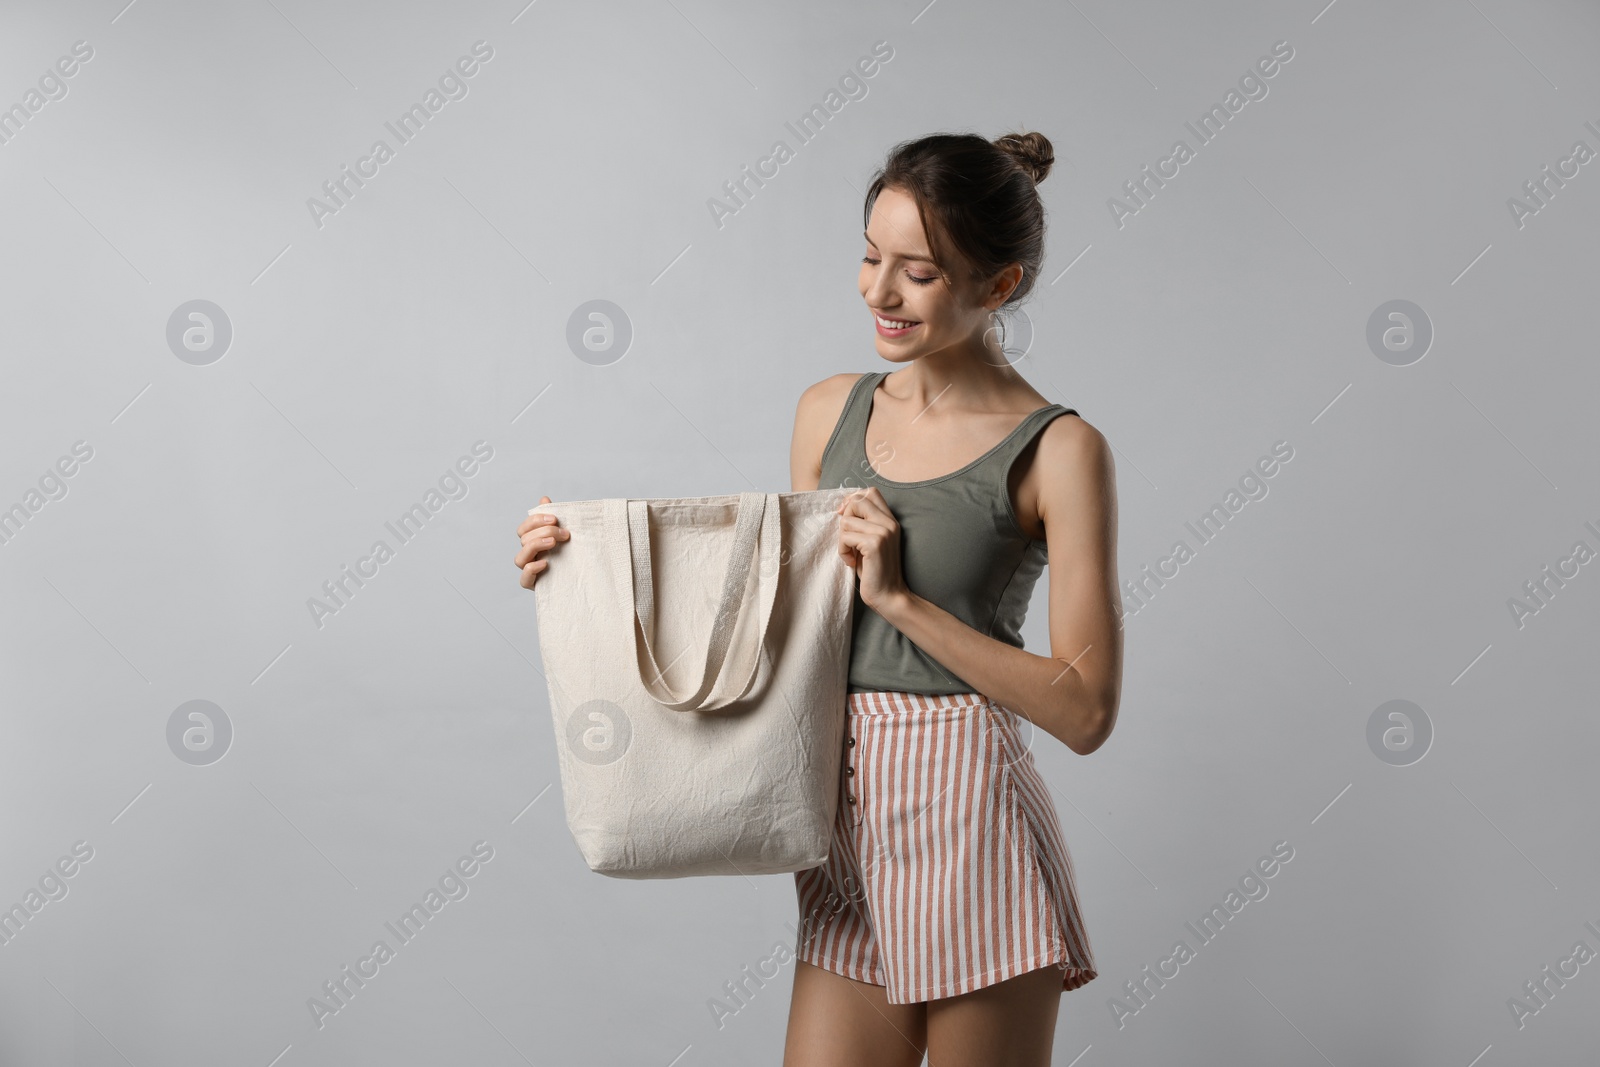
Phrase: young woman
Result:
[946,921]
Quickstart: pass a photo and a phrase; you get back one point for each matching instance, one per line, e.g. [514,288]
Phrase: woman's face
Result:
[930,311]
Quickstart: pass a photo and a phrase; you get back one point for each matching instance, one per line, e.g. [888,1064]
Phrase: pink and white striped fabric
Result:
[948,871]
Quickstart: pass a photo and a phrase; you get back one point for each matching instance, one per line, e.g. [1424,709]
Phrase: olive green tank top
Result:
[960,548]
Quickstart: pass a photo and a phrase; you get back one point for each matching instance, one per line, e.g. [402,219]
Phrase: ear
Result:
[1004,283]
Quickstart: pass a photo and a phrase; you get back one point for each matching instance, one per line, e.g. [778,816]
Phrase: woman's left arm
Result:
[1072,694]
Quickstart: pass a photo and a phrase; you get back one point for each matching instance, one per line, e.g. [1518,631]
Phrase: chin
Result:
[897,355]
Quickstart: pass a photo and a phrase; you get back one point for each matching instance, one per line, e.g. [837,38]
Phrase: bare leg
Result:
[1008,1024]
[836,1021]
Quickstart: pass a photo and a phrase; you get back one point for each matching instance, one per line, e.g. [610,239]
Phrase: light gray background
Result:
[370,753]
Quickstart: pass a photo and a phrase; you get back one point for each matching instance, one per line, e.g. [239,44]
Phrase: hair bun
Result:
[1031,150]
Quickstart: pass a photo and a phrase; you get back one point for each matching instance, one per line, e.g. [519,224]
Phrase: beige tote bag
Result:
[697,653]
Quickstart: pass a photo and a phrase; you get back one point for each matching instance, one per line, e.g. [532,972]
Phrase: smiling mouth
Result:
[893,324]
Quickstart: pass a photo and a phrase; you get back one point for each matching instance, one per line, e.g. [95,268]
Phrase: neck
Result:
[977,371]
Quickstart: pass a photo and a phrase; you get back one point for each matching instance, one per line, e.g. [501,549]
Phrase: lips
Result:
[892,323]
[893,327]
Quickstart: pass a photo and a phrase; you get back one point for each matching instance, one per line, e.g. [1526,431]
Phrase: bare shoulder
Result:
[828,395]
[1075,463]
[1074,439]
[815,415]
[821,405]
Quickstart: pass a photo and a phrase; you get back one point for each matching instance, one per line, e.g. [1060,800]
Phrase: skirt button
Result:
[850,741]
[851,797]
[850,770]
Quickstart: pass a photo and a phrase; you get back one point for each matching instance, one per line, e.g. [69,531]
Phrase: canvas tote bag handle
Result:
[756,541]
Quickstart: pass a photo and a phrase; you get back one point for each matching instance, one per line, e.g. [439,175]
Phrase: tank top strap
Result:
[844,448]
[1009,449]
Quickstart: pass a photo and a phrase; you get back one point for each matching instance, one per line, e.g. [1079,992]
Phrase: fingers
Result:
[868,501]
[859,538]
[538,540]
[871,525]
[865,527]
[534,518]
[538,535]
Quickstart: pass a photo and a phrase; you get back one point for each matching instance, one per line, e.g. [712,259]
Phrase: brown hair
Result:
[980,197]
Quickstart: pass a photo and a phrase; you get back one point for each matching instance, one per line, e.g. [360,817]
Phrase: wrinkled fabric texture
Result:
[948,870]
[656,792]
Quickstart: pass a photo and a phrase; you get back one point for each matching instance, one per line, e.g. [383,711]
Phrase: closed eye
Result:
[919,280]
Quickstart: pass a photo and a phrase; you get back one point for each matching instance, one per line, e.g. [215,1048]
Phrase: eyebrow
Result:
[870,241]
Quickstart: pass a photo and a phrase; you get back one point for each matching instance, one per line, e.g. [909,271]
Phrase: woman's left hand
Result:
[869,540]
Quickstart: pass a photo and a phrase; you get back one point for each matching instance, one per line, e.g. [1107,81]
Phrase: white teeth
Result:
[891,324]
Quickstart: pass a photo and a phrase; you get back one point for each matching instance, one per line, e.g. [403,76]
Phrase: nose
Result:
[879,292]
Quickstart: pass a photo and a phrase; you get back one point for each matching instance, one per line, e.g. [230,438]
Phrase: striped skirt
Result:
[948,871]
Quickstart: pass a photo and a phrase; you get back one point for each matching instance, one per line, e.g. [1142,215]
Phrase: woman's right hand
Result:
[538,534]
